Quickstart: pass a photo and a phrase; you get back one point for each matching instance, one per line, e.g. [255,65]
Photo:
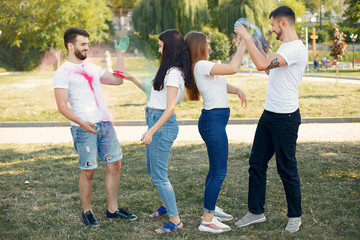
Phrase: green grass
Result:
[331,72]
[49,207]
[31,97]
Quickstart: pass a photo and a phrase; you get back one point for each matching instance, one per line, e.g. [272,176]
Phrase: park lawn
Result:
[30,97]
[49,206]
[331,72]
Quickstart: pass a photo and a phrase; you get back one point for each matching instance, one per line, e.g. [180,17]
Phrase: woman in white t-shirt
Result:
[168,86]
[207,81]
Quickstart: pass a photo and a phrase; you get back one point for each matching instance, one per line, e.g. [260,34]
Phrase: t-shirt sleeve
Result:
[61,79]
[173,78]
[101,71]
[290,53]
[204,67]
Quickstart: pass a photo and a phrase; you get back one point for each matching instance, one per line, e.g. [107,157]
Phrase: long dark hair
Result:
[174,54]
[196,43]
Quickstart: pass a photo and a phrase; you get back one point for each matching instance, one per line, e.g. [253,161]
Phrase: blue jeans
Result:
[212,124]
[275,133]
[157,157]
[89,145]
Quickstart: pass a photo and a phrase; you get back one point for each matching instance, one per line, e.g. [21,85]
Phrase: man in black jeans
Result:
[279,124]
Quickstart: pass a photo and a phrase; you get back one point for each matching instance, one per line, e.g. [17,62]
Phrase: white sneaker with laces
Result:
[250,218]
[221,215]
[293,225]
[215,226]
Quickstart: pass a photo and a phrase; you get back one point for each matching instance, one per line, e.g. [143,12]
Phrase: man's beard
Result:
[278,36]
[80,55]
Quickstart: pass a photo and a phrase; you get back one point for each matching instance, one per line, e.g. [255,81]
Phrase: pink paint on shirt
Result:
[89,78]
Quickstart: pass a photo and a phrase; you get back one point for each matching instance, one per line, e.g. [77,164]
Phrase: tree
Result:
[154,16]
[296,5]
[39,25]
[338,46]
[353,12]
[253,10]
[122,3]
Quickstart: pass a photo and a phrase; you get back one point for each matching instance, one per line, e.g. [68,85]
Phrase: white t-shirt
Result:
[283,88]
[86,103]
[211,87]
[173,78]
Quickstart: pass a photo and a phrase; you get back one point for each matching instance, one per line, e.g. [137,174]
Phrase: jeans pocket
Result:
[172,130]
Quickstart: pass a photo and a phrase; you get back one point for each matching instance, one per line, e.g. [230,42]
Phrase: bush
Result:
[152,47]
[323,35]
[220,45]
[17,59]
[148,47]
[347,57]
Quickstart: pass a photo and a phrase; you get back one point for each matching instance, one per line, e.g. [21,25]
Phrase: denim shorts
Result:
[103,144]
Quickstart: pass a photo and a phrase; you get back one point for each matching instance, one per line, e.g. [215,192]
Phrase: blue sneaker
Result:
[88,218]
[121,213]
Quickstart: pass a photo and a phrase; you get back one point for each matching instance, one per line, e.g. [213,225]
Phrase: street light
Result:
[306,41]
[353,39]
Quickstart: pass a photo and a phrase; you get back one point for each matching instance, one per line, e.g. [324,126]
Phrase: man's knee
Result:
[113,167]
[88,174]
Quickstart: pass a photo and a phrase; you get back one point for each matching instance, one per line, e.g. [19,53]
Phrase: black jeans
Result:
[275,133]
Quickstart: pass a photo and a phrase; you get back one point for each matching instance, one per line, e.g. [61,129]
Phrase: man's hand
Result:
[241,31]
[123,45]
[90,127]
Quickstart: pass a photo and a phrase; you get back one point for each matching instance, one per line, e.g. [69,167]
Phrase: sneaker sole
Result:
[210,230]
[253,222]
[224,219]
[122,219]
[293,231]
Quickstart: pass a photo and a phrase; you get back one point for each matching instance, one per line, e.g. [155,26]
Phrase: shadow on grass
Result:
[49,206]
[320,97]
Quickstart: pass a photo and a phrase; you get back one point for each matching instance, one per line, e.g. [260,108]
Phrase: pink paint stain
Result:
[89,78]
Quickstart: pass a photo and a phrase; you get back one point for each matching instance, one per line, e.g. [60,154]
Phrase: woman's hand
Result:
[242,97]
[146,138]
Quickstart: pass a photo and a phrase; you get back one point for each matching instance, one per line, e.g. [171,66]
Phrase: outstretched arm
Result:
[136,81]
[108,78]
[234,65]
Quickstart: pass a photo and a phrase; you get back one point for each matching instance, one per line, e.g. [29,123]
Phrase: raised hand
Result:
[123,44]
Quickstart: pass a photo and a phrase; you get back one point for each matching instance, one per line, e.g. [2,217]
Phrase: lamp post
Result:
[353,39]
[306,41]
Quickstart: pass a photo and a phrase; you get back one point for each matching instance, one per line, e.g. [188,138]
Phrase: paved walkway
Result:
[242,130]
[308,132]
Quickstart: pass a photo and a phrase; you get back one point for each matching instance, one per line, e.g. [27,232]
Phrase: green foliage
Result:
[155,16]
[16,58]
[40,24]
[296,5]
[323,36]
[152,47]
[149,47]
[253,10]
[353,12]
[122,3]
[220,45]
[338,45]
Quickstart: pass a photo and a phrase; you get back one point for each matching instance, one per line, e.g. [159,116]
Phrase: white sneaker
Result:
[293,225]
[221,215]
[250,218]
[215,226]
